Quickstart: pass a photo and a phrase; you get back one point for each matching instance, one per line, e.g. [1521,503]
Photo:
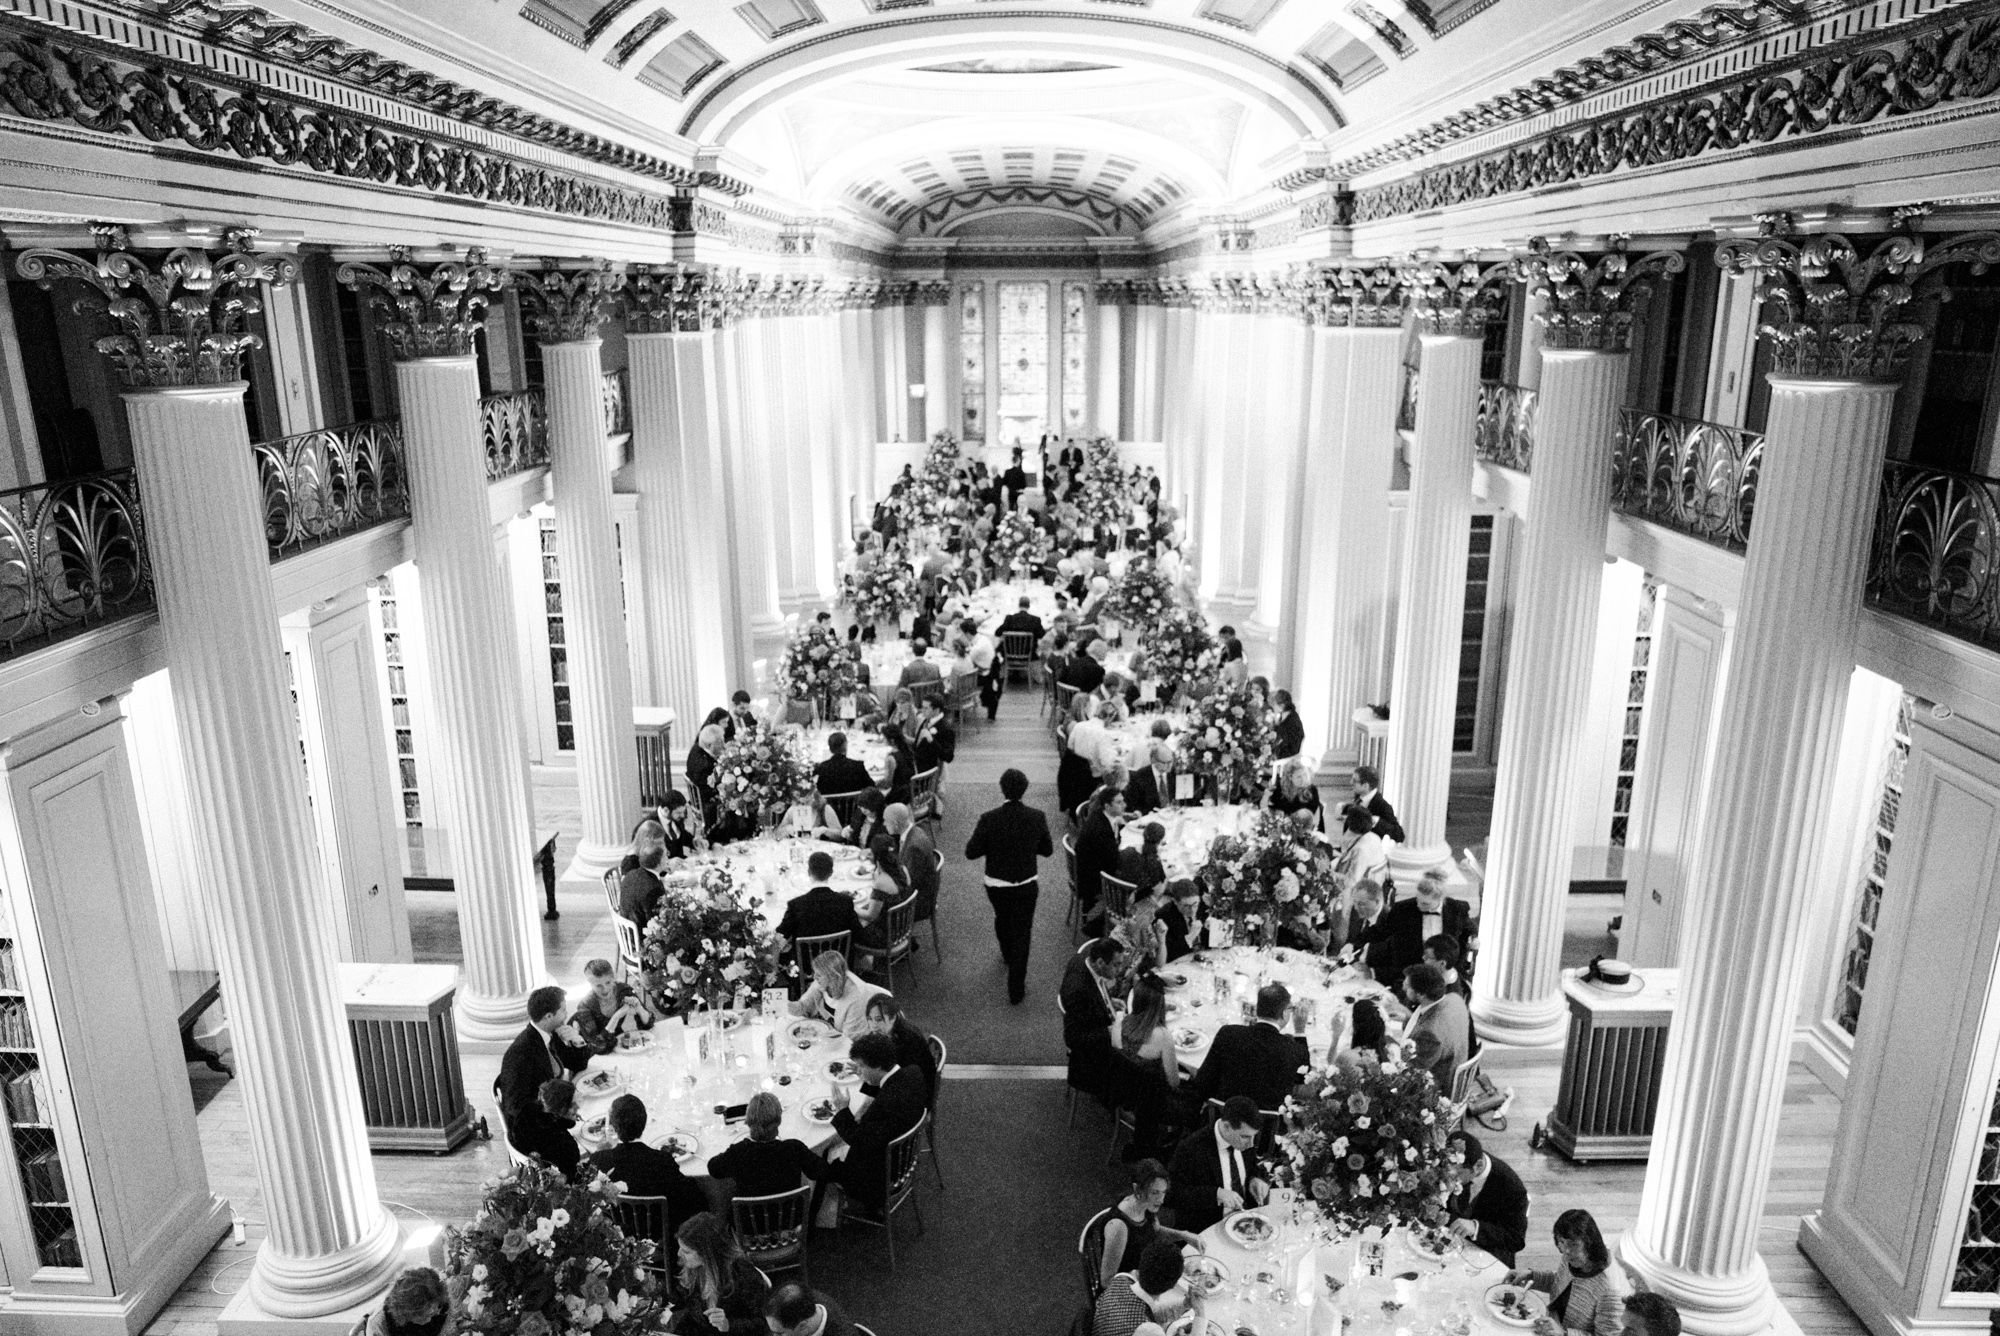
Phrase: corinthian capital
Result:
[1356,296]
[1450,297]
[427,313]
[182,324]
[568,306]
[1589,305]
[673,301]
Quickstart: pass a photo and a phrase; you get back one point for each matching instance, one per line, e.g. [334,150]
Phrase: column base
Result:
[1540,1023]
[592,860]
[283,1291]
[1743,1304]
[486,1022]
[1409,862]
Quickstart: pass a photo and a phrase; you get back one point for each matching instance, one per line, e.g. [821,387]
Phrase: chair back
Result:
[1017,648]
[1065,699]
[900,1169]
[646,1218]
[1462,1077]
[843,805]
[924,792]
[941,1055]
[516,1157]
[923,691]
[805,948]
[1117,893]
[1090,1249]
[964,693]
[612,877]
[900,921]
[772,1229]
[629,938]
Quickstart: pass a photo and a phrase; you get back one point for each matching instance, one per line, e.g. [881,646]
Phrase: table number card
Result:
[775,1001]
[1183,788]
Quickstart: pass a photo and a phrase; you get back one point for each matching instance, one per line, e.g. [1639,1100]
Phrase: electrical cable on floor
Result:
[214,1281]
[400,1206]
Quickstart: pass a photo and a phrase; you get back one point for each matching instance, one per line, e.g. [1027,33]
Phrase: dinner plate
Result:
[598,1085]
[1504,1302]
[1184,1037]
[1430,1245]
[595,1129]
[820,1111]
[632,1043]
[1249,1229]
[805,1029]
[1204,1274]
[842,1070]
[682,1145]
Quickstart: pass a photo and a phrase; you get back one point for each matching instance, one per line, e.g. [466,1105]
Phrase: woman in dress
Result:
[1135,1221]
[1366,1041]
[1155,1064]
[902,711]
[719,1291]
[1235,668]
[866,822]
[1586,1293]
[1144,937]
[809,816]
[891,886]
[902,760]
[1295,792]
[610,1008]
[913,1047]
[1366,857]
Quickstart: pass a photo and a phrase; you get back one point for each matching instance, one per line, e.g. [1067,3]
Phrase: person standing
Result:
[1012,838]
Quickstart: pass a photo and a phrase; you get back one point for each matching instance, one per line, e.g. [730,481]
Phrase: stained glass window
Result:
[1075,359]
[1024,362]
[972,344]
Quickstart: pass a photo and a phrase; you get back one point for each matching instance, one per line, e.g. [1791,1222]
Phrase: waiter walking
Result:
[1011,838]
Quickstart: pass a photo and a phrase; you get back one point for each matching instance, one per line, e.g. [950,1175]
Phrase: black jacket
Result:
[1378,807]
[1011,837]
[1084,673]
[1402,939]
[639,894]
[650,1172]
[1501,1208]
[1022,621]
[817,913]
[1288,736]
[897,1106]
[1086,1015]
[761,1168]
[1142,791]
[1096,854]
[842,774]
[522,1071]
[1254,1060]
[1195,1172]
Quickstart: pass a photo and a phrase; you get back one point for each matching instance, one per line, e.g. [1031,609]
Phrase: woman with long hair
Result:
[1154,1070]
[891,886]
[718,1291]
[1366,1043]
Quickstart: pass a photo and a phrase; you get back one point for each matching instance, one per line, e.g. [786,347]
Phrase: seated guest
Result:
[648,828]
[1295,792]
[935,741]
[916,850]
[920,670]
[1180,917]
[866,821]
[1410,922]
[1288,734]
[550,1046]
[1095,739]
[700,771]
[836,996]
[765,1164]
[641,890]
[1153,1072]
[890,885]
[839,772]
[913,1047]
[820,910]
[1366,935]
[1366,1044]
[1440,1026]
[892,1099]
[793,1310]
[1647,1313]
[1489,1205]
[1444,952]
[1368,798]
[719,1290]
[742,710]
[1023,619]
[1145,940]
[1149,1297]
[1086,1006]
[646,1171]
[902,764]
[418,1304]
[1097,854]
[555,1141]
[1258,1060]
[1135,1221]
[1142,866]
[809,817]
[1586,1293]
[678,828]
[610,1009]
[1086,670]
[1216,1171]
[1151,786]
[1365,857]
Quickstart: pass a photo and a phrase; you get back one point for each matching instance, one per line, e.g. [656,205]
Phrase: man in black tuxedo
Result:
[896,1100]
[1368,797]
[641,890]
[1216,1172]
[548,1048]
[1489,1207]
[839,772]
[1012,838]
[1097,854]
[646,1171]
[1288,732]
[1368,934]
[820,910]
[1087,1014]
[1151,786]
[700,770]
[1410,923]
[1086,670]
[1021,619]
[1259,1060]
[791,1309]
[935,742]
[1013,482]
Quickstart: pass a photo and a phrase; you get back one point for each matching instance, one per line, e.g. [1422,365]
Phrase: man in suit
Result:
[1021,619]
[1650,1313]
[1259,1060]
[1087,1015]
[1014,481]
[1440,1027]
[1489,1206]
[1086,670]
[895,1099]
[1368,797]
[918,852]
[646,1171]
[1151,786]
[791,1309]
[1410,923]
[920,671]
[1288,732]
[819,910]
[1012,838]
[839,772]
[1217,1172]
[1368,933]
[548,1048]
[700,770]
[641,890]
[936,741]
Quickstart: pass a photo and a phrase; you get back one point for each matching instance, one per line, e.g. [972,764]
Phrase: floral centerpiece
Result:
[1267,877]
[1227,740]
[879,589]
[1017,541]
[816,666]
[705,945]
[760,769]
[1142,597]
[1104,493]
[926,501]
[1367,1147]
[546,1257]
[1180,652]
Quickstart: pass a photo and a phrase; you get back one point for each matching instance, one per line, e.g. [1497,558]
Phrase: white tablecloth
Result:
[773,868]
[1190,830]
[867,748]
[1196,1009]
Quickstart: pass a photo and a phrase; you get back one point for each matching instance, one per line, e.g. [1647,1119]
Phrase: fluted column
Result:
[1149,323]
[1270,509]
[748,470]
[1782,709]
[937,358]
[1109,352]
[331,1244]
[473,672]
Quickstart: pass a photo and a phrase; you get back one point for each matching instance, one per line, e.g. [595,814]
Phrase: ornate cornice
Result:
[183,322]
[932,292]
[1454,298]
[1589,304]
[1127,291]
[433,313]
[1356,296]
[568,305]
[920,220]
[1952,57]
[662,300]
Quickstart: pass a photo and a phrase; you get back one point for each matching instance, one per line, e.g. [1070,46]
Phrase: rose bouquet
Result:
[705,946]
[546,1257]
[880,589]
[1104,493]
[760,769]
[1227,740]
[1141,598]
[1017,541]
[816,665]
[1267,877]
[1367,1148]
[1180,652]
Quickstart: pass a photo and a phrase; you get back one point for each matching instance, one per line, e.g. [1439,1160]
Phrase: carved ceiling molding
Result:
[1588,304]
[1649,53]
[927,218]
[1954,57]
[669,300]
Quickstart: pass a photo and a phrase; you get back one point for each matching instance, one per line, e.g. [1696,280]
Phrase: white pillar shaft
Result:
[331,1244]
[753,491]
[1269,512]
[472,674]
[595,645]
[819,437]
[893,349]
[1148,353]
[1517,996]
[1696,1237]
[1430,606]
[937,374]
[1110,353]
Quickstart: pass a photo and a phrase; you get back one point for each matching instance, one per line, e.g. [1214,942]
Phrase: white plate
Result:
[599,1085]
[1249,1229]
[683,1146]
[813,1117]
[805,1027]
[1532,1301]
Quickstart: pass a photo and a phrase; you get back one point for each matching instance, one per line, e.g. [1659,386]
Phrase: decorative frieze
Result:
[568,306]
[1356,296]
[1455,298]
[184,322]
[1588,304]
[427,313]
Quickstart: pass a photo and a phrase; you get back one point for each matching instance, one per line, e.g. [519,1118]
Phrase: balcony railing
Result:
[322,485]
[1504,431]
[1936,554]
[72,556]
[516,429]
[617,406]
[1699,478]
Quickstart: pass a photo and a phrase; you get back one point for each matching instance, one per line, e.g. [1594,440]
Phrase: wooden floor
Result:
[424,1189]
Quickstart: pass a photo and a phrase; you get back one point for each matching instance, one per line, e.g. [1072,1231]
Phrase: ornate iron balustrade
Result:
[72,556]
[1504,431]
[1936,554]
[516,429]
[617,406]
[322,485]
[1699,478]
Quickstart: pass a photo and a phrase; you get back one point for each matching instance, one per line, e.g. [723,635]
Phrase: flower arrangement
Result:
[1227,740]
[1142,598]
[1179,650]
[546,1257]
[1267,877]
[706,946]
[759,769]
[927,501]
[1104,493]
[1367,1147]
[879,589]
[1017,541]
[816,665]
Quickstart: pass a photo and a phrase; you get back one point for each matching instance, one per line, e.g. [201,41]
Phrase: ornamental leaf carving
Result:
[1589,304]
[568,306]
[427,313]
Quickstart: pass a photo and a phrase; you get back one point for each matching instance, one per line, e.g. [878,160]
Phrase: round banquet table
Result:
[1137,731]
[1213,988]
[867,748]
[1190,830]
[1299,1282]
[683,1089]
[772,867]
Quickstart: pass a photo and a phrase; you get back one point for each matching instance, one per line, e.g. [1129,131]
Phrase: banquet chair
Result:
[924,795]
[1074,914]
[1017,651]
[941,1055]
[862,1329]
[1065,702]
[773,1230]
[628,945]
[938,854]
[923,691]
[1052,671]
[805,948]
[611,879]
[1117,894]
[646,1218]
[842,805]
[1464,1080]
[1090,1250]
[516,1157]
[899,1178]
[964,696]
[899,922]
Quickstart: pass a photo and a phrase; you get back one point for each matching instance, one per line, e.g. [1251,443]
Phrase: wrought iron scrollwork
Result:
[72,556]
[1698,478]
[1504,431]
[322,485]
[516,432]
[1936,554]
